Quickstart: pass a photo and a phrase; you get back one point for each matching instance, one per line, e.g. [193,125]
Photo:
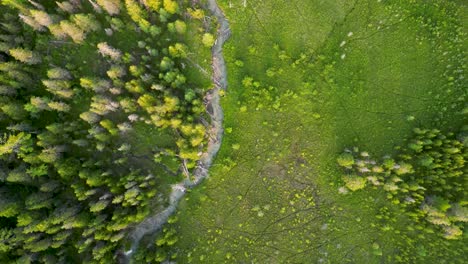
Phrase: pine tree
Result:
[14,110]
[90,117]
[57,31]
[61,88]
[109,51]
[36,5]
[38,104]
[87,22]
[15,4]
[59,74]
[12,143]
[41,17]
[7,90]
[25,56]
[74,32]
[31,22]
[59,106]
[111,6]
[95,84]
[69,6]
[7,242]
[50,155]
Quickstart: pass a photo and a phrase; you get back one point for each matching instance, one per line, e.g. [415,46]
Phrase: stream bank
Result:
[215,134]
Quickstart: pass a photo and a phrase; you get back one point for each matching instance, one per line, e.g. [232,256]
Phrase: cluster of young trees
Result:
[427,179]
[71,183]
[163,248]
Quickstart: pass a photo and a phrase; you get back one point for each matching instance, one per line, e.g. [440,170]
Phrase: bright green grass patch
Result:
[307,79]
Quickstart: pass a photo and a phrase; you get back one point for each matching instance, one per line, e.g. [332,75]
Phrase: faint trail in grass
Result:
[154,223]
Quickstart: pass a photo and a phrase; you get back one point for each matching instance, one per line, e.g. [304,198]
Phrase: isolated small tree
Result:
[208,40]
[345,160]
[354,182]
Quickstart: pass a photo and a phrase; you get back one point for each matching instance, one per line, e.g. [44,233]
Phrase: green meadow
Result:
[308,79]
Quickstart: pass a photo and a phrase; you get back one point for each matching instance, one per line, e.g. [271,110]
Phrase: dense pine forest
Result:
[97,118]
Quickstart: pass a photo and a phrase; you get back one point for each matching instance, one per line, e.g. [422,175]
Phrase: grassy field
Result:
[306,80]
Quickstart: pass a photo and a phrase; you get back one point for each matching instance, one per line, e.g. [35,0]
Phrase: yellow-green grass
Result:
[272,196]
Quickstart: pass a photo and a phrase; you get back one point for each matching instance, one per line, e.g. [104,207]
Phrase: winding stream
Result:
[154,223]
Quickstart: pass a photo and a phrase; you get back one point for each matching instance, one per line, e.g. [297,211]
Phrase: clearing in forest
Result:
[306,80]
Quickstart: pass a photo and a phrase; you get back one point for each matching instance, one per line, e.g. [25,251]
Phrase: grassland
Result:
[306,80]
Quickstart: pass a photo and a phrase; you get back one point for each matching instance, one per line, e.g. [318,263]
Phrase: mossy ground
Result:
[324,75]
